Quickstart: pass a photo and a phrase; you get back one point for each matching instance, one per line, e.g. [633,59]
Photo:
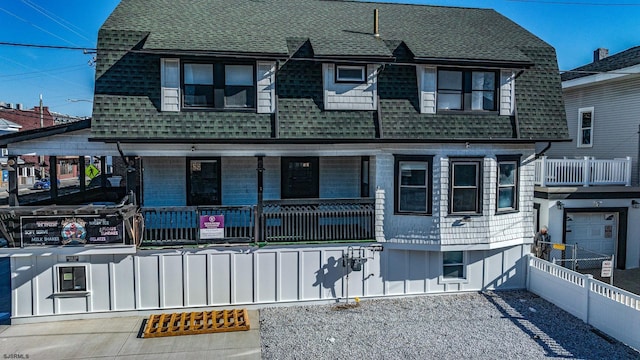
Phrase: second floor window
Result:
[585,127]
[467,90]
[218,85]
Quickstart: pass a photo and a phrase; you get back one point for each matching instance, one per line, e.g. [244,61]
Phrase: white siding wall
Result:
[444,229]
[615,135]
[339,177]
[346,96]
[266,86]
[165,279]
[164,181]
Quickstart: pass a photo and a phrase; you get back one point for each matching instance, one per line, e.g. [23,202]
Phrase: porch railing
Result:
[318,220]
[582,172]
[181,225]
[280,221]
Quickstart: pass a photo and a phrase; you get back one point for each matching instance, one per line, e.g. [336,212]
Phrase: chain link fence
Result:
[576,258]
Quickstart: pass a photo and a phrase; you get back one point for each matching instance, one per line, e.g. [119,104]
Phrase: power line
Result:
[553,2]
[57,47]
[37,27]
[44,12]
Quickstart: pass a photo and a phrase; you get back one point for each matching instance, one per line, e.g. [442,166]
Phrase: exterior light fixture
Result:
[635,204]
[559,205]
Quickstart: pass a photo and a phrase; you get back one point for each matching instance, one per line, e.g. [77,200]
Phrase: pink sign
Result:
[212,227]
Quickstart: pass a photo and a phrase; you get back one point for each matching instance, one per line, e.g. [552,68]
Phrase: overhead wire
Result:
[38,27]
[47,13]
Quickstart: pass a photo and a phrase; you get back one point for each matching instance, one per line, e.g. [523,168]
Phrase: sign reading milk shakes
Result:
[212,227]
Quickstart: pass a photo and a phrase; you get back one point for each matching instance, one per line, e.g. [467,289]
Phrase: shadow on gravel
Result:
[559,333]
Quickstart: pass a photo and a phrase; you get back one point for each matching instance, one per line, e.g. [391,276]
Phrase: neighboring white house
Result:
[590,194]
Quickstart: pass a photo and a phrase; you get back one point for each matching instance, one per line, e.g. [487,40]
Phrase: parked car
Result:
[112,181]
[43,184]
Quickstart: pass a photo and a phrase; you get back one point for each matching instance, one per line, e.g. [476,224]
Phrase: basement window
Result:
[72,278]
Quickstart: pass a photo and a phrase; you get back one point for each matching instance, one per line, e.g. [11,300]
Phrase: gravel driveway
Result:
[491,325]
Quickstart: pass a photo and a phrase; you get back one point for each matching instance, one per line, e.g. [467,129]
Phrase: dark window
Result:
[467,90]
[72,278]
[198,85]
[300,177]
[350,73]
[585,127]
[239,91]
[203,185]
[413,184]
[465,186]
[219,85]
[453,265]
[507,183]
[364,176]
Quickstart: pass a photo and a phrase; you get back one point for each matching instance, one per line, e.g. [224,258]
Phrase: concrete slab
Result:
[117,338]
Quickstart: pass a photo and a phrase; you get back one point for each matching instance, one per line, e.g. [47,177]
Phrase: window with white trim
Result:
[218,85]
[350,73]
[507,197]
[465,186]
[585,127]
[453,266]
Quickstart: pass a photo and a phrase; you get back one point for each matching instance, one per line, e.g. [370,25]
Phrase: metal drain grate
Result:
[192,323]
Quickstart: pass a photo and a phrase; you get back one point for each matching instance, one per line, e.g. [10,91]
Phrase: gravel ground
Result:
[491,325]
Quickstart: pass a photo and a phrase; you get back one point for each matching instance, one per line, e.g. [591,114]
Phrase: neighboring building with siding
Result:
[333,138]
[602,100]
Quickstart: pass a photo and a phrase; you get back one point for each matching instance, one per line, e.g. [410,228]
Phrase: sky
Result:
[65,78]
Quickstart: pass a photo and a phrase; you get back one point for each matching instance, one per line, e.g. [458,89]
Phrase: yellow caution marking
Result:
[559,247]
[196,323]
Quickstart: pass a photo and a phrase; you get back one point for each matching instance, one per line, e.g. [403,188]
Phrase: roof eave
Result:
[510,64]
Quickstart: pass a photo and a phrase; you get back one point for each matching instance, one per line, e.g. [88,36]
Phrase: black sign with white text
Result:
[71,230]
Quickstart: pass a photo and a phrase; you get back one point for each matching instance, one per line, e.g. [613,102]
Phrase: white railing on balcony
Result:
[582,172]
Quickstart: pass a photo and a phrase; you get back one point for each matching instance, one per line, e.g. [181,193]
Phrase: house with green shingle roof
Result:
[321,132]
[435,109]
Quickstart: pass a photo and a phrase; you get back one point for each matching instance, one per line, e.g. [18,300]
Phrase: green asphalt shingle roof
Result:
[128,82]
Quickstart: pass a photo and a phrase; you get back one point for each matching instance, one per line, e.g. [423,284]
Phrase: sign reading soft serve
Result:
[212,227]
[71,230]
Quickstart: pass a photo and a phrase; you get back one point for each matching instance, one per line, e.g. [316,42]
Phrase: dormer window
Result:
[467,90]
[349,73]
[218,86]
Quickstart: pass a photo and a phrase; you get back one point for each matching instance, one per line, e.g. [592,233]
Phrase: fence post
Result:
[543,170]
[627,172]
[586,172]
[587,292]
[378,214]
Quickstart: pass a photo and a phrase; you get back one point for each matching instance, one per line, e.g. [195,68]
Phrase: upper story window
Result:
[413,184]
[348,73]
[465,186]
[198,85]
[218,85]
[507,183]
[585,127]
[467,90]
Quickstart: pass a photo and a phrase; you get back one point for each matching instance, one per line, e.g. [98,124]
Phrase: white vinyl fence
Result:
[607,308]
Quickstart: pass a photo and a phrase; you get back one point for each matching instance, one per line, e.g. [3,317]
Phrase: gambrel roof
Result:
[301,34]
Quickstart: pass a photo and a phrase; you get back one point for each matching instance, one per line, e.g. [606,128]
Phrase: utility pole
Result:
[41,126]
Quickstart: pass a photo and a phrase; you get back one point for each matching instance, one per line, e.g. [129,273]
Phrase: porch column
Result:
[82,176]
[260,170]
[53,176]
[12,163]
[131,179]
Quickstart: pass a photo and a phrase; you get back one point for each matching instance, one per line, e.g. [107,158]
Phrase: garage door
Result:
[595,233]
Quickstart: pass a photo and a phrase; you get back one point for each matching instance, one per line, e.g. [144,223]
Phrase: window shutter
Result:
[266,86]
[170,84]
[507,92]
[427,87]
